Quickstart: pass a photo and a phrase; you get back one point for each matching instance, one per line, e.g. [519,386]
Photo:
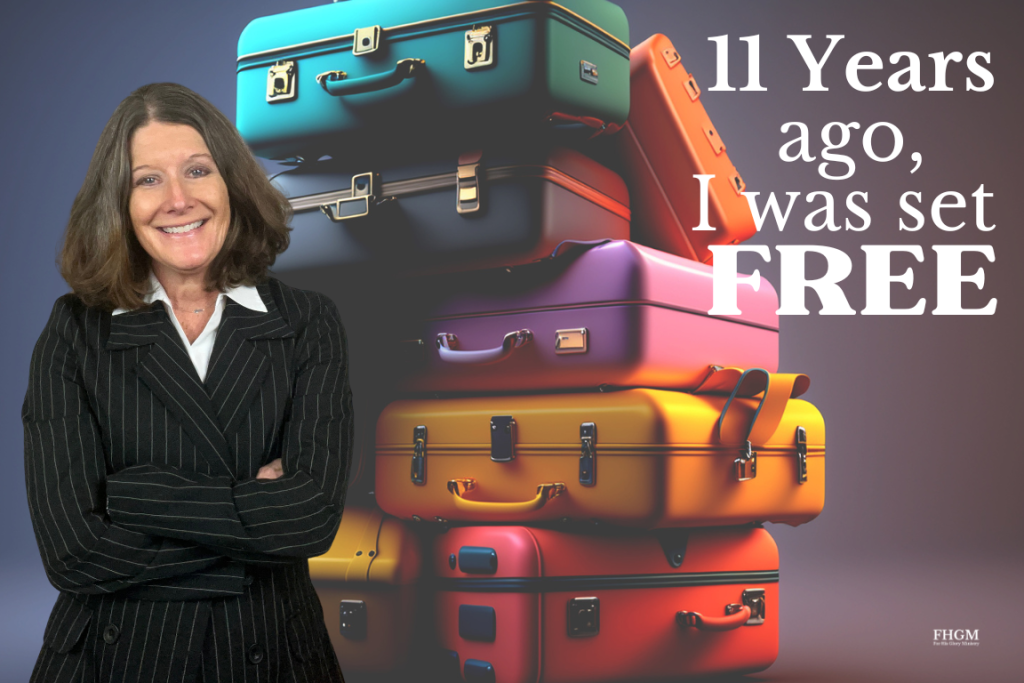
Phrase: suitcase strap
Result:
[778,389]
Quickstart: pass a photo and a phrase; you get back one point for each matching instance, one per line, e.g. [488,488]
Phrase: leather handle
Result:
[545,492]
[704,623]
[779,388]
[338,84]
[446,350]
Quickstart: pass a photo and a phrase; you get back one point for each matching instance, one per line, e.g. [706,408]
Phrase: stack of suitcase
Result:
[571,472]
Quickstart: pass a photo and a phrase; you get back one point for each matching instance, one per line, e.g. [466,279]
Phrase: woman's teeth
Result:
[182,228]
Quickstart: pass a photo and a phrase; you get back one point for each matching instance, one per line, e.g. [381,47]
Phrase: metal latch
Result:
[467,186]
[366,40]
[737,183]
[754,599]
[713,139]
[801,455]
[503,436]
[353,619]
[588,71]
[671,57]
[480,46]
[282,81]
[419,454]
[692,89]
[571,341]
[362,197]
[746,464]
[588,462]
[584,617]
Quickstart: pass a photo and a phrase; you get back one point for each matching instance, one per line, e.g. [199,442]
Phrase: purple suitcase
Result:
[617,314]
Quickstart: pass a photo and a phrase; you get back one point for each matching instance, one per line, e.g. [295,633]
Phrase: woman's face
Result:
[179,202]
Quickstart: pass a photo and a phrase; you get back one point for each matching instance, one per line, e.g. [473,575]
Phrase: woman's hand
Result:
[271,470]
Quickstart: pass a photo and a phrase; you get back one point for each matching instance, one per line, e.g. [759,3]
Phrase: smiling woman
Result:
[188,421]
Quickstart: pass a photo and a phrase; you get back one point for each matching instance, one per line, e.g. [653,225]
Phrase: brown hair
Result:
[101,258]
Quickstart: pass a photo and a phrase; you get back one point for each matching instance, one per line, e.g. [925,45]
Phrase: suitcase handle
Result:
[338,84]
[696,620]
[778,389]
[457,487]
[447,343]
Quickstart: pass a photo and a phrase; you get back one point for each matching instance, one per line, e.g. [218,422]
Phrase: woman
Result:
[188,421]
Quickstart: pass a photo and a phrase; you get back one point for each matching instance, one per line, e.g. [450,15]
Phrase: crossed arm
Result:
[167,522]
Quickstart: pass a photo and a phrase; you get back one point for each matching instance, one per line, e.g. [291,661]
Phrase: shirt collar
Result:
[243,295]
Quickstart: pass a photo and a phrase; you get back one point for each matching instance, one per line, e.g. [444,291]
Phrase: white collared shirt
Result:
[202,348]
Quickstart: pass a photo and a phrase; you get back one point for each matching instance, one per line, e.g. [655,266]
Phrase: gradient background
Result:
[921,529]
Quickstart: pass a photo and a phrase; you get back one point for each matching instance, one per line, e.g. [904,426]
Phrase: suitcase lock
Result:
[362,197]
[282,82]
[419,457]
[588,457]
[584,617]
[353,619]
[503,436]
[479,47]
[746,464]
[801,455]
[365,40]
[467,187]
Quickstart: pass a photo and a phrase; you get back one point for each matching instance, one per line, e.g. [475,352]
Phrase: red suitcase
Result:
[616,314]
[667,140]
[524,605]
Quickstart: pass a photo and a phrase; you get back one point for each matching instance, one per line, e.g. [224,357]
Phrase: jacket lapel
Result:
[169,373]
[238,366]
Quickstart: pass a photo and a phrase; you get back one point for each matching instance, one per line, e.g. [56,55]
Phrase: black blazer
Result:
[172,561]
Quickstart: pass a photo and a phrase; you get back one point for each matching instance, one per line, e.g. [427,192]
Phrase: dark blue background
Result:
[921,526]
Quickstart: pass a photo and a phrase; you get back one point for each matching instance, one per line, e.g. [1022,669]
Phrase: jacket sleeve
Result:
[295,515]
[65,469]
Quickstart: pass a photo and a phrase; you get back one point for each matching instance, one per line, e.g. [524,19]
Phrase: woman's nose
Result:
[178,197]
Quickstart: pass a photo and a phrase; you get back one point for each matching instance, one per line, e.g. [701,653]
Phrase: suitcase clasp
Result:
[419,457]
[282,82]
[503,433]
[362,197]
[365,40]
[746,464]
[801,455]
[479,47]
[571,341]
[467,185]
[588,457]
[584,617]
[588,71]
[754,599]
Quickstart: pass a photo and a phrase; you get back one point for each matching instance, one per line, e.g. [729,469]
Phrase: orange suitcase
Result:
[367,583]
[639,457]
[526,605]
[666,141]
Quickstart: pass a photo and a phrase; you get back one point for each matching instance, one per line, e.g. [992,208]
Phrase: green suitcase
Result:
[363,77]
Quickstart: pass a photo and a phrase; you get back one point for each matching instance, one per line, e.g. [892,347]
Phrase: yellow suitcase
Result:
[367,583]
[740,449]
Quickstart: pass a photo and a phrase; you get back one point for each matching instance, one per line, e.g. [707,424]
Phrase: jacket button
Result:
[110,634]
[256,654]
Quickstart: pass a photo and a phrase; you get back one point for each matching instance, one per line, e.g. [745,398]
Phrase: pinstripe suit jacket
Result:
[172,561]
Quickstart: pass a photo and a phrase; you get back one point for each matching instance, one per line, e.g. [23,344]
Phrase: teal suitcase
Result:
[366,77]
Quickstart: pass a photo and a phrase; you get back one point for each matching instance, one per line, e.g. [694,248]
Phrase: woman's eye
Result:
[146,180]
[198,172]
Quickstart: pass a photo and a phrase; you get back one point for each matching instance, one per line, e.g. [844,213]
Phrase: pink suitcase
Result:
[522,605]
[616,314]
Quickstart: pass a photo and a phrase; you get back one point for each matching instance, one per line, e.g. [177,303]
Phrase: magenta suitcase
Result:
[525,605]
[616,314]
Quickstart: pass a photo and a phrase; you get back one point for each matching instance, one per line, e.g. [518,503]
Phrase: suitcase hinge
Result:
[584,618]
[467,187]
[366,40]
[801,455]
[746,464]
[480,46]
[419,455]
[282,83]
[362,197]
[588,456]
[754,599]
[503,435]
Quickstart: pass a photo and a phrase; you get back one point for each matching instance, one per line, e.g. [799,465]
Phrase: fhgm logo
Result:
[961,637]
